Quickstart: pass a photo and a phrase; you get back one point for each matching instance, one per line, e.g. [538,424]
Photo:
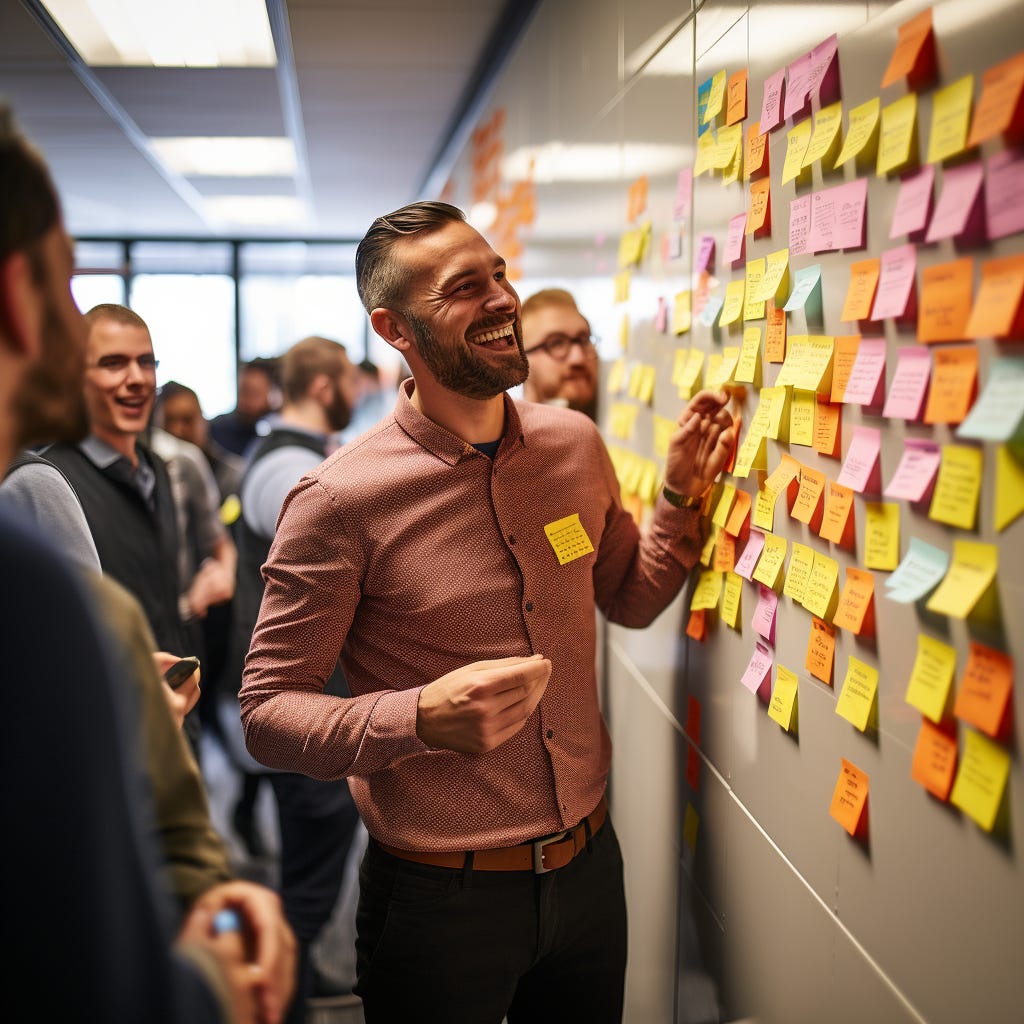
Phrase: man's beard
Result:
[51,406]
[455,368]
[339,412]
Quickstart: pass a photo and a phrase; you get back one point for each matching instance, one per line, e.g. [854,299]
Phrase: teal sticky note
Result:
[709,314]
[998,415]
[806,293]
[921,570]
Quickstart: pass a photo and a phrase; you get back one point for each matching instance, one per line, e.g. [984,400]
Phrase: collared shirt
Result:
[413,554]
[103,456]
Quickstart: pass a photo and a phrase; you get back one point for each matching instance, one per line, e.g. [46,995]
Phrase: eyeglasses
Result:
[117,366]
[557,345]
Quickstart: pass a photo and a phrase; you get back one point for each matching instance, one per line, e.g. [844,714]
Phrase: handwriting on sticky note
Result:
[945,301]
[808,498]
[828,123]
[931,677]
[997,307]
[855,612]
[797,140]
[758,668]
[755,152]
[734,241]
[934,763]
[860,470]
[799,224]
[732,599]
[984,694]
[801,417]
[846,349]
[850,796]
[981,779]
[770,563]
[971,573]
[747,562]
[806,285]
[897,140]
[958,201]
[798,572]
[954,382]
[753,306]
[733,305]
[715,97]
[909,383]
[759,218]
[958,487]
[923,566]
[828,423]
[951,113]
[568,539]
[913,203]
[772,100]
[821,649]
[820,592]
[916,471]
[861,291]
[1000,108]
[708,590]
[782,707]
[837,217]
[857,697]
[881,535]
[739,516]
[765,613]
[895,283]
[861,133]
[837,521]
[867,375]
[998,415]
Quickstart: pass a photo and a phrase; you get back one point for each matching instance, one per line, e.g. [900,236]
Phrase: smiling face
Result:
[572,380]
[463,312]
[120,382]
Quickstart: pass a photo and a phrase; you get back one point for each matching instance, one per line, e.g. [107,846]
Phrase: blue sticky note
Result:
[709,314]
[806,293]
[999,413]
[921,570]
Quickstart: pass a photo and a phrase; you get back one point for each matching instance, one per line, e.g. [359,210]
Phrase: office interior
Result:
[602,146]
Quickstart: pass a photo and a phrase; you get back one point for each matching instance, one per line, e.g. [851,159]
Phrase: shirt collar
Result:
[99,453]
[443,443]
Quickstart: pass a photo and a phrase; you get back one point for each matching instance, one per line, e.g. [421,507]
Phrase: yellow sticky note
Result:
[857,697]
[715,97]
[814,373]
[691,824]
[800,564]
[705,160]
[708,590]
[775,285]
[728,142]
[681,313]
[782,708]
[568,539]
[881,535]
[770,562]
[958,486]
[689,376]
[753,307]
[722,365]
[752,454]
[861,133]
[764,509]
[820,593]
[970,574]
[648,377]
[723,505]
[931,677]
[616,376]
[825,140]
[981,779]
[709,547]
[622,280]
[801,418]
[797,141]
[951,115]
[748,366]
[776,401]
[664,428]
[898,137]
[1009,487]
[733,305]
[732,599]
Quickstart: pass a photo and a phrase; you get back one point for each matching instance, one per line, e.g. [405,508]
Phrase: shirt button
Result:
[529,606]
[550,733]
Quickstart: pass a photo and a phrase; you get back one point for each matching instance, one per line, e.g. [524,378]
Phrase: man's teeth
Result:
[495,335]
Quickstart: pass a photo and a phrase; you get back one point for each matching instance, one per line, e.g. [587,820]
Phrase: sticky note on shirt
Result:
[951,114]
[850,797]
[934,763]
[971,573]
[958,486]
[568,539]
[984,694]
[857,697]
[931,677]
[782,707]
[981,779]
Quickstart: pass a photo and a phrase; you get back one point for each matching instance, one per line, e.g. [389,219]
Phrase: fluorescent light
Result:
[155,33]
[227,157]
[556,161]
[262,210]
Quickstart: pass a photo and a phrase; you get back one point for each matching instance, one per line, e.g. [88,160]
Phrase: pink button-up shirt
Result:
[412,554]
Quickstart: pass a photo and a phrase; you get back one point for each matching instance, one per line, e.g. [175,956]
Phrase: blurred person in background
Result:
[258,395]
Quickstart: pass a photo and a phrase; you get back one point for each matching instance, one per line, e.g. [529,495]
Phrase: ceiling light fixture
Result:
[227,157]
[154,33]
[257,210]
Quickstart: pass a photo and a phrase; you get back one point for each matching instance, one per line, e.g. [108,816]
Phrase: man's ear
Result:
[393,328]
[21,305]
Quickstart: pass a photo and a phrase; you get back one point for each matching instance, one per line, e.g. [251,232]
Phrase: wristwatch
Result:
[680,500]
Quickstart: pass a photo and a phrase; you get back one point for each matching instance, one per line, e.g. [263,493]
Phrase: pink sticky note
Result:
[684,195]
[861,471]
[759,669]
[706,253]
[1004,193]
[895,283]
[915,474]
[798,87]
[837,217]
[747,562]
[957,203]
[661,317]
[914,202]
[771,102]
[866,382]
[909,383]
[735,243]
[764,614]
[824,81]
[799,225]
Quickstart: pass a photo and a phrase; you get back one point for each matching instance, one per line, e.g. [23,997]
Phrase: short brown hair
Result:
[117,314]
[380,279]
[305,361]
[549,297]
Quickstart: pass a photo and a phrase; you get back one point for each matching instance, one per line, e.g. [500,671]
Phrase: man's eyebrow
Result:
[449,282]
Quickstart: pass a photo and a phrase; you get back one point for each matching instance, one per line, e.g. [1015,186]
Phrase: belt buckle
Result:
[538,851]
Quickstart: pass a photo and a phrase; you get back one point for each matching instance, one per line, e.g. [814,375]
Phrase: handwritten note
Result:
[913,203]
[845,356]
[861,133]
[753,306]
[916,471]
[1000,108]
[763,622]
[999,412]
[708,590]
[897,141]
[797,140]
[971,573]
[821,649]
[775,284]
[931,677]
[981,779]
[857,697]
[861,291]
[828,421]
[909,383]
[997,308]
[732,599]
[798,572]
[808,498]
[739,516]
[772,558]
[747,562]
[733,306]
[957,211]
[866,382]
[772,100]
[951,114]
[820,593]
[801,417]
[775,333]
[881,535]
[895,283]
[934,763]
[954,383]
[799,224]
[855,612]
[861,470]
[782,707]
[984,694]
[736,91]
[715,98]
[806,291]
[734,240]
[923,566]
[955,500]
[946,290]
[850,797]
[837,217]
[759,668]
[755,152]
[837,522]
[826,136]
[759,219]
[748,366]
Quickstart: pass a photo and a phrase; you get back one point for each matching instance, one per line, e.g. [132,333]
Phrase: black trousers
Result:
[442,946]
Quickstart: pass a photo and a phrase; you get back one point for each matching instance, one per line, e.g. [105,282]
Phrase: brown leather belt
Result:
[540,856]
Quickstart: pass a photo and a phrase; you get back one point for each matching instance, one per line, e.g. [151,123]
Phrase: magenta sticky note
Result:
[661,316]
[861,471]
[909,383]
[798,87]
[837,217]
[958,208]
[895,283]
[799,225]
[1004,193]
[758,669]
[706,253]
[735,240]
[684,195]
[866,383]
[914,202]
[747,562]
[915,474]
[772,100]
[764,614]
[825,71]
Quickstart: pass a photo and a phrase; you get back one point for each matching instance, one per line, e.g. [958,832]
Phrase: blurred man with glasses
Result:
[560,348]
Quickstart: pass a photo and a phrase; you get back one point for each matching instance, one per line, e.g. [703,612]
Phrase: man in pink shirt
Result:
[453,556]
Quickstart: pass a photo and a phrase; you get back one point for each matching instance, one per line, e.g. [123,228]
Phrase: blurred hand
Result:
[699,450]
[211,585]
[185,698]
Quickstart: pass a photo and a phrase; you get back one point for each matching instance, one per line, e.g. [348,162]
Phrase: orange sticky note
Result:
[807,507]
[775,335]
[985,689]
[697,627]
[821,650]
[861,292]
[692,767]
[954,384]
[755,152]
[736,109]
[828,427]
[724,559]
[945,301]
[738,523]
[934,763]
[856,603]
[837,522]
[996,309]
[1001,107]
[759,217]
[846,349]
[850,796]
[914,56]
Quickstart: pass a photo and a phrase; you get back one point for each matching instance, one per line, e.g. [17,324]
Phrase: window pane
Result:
[91,289]
[181,257]
[192,321]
